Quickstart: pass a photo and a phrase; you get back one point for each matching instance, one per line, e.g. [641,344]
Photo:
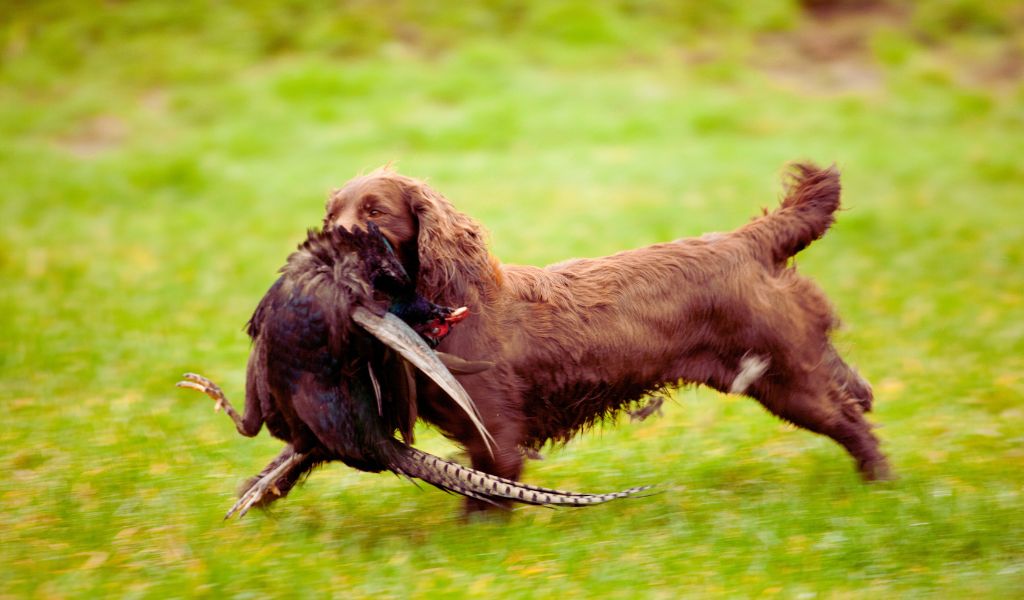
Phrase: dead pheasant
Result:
[330,373]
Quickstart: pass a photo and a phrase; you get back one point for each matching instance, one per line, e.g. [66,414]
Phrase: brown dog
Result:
[576,341]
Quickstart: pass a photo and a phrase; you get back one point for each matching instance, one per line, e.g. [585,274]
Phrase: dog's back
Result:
[590,336]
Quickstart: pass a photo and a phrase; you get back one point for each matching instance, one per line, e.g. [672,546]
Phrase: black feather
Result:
[308,370]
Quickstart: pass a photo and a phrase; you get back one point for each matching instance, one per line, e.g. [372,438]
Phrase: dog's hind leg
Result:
[853,389]
[817,412]
[863,445]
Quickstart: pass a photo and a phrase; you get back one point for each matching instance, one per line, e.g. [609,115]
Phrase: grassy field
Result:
[159,160]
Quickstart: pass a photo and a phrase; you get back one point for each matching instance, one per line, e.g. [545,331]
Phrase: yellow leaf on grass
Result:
[1007,379]
[96,559]
[890,386]
[481,585]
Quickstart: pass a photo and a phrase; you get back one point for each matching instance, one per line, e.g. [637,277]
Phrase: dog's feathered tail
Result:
[805,214]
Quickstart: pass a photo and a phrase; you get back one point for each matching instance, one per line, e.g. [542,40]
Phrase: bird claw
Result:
[268,483]
[249,499]
[199,383]
[256,492]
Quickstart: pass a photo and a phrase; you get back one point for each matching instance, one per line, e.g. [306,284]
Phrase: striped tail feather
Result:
[453,477]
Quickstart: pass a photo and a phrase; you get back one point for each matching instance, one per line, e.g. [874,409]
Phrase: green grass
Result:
[158,162]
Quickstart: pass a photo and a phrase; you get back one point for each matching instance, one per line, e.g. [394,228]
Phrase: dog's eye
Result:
[373,212]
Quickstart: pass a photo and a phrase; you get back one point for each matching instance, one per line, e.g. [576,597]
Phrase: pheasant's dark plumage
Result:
[309,371]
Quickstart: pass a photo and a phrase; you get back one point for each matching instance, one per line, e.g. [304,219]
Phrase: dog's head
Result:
[443,249]
[381,198]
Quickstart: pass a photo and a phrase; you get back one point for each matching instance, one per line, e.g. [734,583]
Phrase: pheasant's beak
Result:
[436,330]
[457,315]
[394,333]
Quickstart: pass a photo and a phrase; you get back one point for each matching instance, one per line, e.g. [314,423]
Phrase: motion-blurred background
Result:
[158,161]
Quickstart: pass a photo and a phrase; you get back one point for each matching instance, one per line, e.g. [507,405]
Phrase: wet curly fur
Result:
[579,340]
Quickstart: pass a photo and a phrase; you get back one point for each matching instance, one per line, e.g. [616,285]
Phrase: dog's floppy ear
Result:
[451,246]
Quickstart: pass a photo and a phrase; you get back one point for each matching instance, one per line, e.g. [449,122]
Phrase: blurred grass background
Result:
[159,160]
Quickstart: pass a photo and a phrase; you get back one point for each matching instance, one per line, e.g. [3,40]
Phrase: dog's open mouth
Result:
[436,330]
